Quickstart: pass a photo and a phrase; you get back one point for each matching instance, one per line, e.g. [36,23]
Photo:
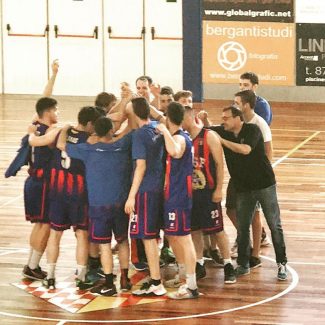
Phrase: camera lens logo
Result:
[232,56]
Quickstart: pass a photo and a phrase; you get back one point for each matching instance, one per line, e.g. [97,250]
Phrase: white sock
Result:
[35,259]
[181,271]
[191,281]
[200,261]
[51,270]
[81,272]
[226,261]
[30,254]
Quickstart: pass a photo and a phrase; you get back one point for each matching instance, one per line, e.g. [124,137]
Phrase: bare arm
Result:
[43,140]
[155,90]
[203,116]
[175,145]
[62,140]
[217,154]
[48,90]
[139,172]
[157,115]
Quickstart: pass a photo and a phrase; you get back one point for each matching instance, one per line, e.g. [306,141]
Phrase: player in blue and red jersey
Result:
[207,193]
[68,203]
[36,188]
[178,197]
[144,204]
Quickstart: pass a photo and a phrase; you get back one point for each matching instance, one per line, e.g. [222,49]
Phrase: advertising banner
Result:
[249,10]
[310,55]
[310,11]
[232,48]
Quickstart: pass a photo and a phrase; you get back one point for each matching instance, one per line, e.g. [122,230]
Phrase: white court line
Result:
[295,149]
[293,284]
[11,200]
[307,263]
[295,130]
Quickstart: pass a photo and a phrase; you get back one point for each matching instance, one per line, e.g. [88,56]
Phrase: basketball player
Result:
[178,196]
[144,203]
[108,166]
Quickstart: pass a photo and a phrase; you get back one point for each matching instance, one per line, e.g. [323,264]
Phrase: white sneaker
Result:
[184,293]
[153,290]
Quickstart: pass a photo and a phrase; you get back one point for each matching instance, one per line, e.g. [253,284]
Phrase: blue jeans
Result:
[245,208]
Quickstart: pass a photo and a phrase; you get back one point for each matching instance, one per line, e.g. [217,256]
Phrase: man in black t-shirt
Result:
[254,181]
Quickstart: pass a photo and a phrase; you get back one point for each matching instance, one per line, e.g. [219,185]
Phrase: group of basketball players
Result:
[147,162]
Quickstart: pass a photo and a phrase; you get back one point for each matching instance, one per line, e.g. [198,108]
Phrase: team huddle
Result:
[147,162]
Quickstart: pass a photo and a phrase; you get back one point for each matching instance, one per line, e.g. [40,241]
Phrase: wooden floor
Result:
[299,162]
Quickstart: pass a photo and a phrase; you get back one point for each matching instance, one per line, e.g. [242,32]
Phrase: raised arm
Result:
[175,145]
[48,90]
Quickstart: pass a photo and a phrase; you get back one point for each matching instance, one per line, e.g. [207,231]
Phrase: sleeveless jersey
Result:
[204,170]
[68,174]
[40,157]
[178,179]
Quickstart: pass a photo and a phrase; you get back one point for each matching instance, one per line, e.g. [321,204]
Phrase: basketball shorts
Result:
[105,221]
[36,200]
[177,222]
[64,213]
[147,220]
[206,215]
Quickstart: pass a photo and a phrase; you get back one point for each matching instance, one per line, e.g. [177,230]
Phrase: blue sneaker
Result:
[240,271]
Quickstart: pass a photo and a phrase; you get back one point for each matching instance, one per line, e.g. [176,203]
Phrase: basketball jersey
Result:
[68,174]
[40,157]
[178,179]
[204,170]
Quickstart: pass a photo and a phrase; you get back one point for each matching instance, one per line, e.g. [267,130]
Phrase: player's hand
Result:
[32,129]
[202,115]
[55,66]
[216,196]
[155,89]
[129,206]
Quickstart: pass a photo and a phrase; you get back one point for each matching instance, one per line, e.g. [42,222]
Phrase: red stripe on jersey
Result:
[206,153]
[53,173]
[60,180]
[189,185]
[69,183]
[167,177]
[39,173]
[80,184]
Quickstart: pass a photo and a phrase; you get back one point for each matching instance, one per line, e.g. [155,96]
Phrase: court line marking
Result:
[295,149]
[293,284]
[11,200]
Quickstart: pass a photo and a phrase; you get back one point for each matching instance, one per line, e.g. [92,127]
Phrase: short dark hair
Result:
[88,114]
[166,90]
[247,96]
[141,107]
[103,125]
[45,104]
[175,112]
[105,99]
[234,111]
[144,78]
[182,93]
[251,76]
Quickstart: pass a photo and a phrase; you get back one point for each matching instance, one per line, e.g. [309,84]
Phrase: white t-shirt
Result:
[265,129]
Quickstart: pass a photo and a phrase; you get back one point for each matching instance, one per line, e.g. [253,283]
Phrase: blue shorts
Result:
[146,222]
[36,200]
[105,220]
[64,213]
[206,215]
[177,222]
